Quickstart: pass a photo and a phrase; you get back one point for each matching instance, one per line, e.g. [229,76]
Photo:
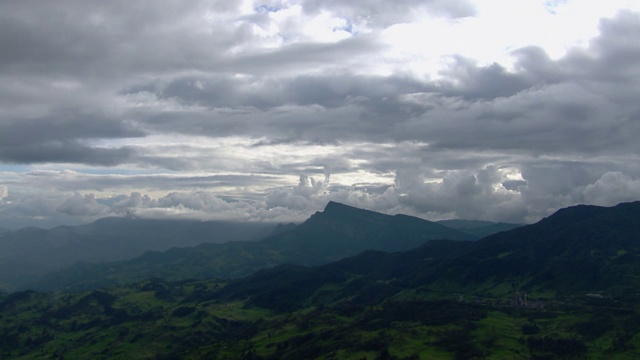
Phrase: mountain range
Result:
[562,288]
[29,253]
[337,232]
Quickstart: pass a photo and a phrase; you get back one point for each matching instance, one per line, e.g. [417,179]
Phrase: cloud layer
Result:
[267,110]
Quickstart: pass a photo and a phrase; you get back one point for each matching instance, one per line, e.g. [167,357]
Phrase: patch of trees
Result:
[284,288]
[530,329]
[460,343]
[183,311]
[567,348]
[433,313]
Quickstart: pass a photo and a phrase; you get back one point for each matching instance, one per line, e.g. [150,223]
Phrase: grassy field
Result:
[154,319]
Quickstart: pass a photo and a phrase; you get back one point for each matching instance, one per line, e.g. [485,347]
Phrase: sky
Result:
[254,110]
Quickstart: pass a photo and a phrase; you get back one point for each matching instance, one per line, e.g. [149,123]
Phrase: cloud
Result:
[462,194]
[83,205]
[215,108]
[466,79]
[384,13]
[70,181]
[136,200]
[612,188]
[72,152]
[541,106]
[300,198]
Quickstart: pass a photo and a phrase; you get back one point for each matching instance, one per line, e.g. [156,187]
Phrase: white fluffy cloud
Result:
[83,205]
[612,188]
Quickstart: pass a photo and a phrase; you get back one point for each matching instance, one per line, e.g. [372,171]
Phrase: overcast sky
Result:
[265,110]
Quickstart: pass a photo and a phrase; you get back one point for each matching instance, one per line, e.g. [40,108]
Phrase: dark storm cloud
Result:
[543,106]
[116,38]
[63,126]
[326,90]
[76,181]
[102,40]
[59,137]
[540,108]
[613,56]
[610,59]
[66,152]
[467,80]
[303,56]
[318,109]
[579,103]
[562,118]
[472,107]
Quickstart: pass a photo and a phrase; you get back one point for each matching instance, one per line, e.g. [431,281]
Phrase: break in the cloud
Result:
[266,110]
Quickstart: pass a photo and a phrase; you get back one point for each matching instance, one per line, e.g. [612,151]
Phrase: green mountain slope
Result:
[582,248]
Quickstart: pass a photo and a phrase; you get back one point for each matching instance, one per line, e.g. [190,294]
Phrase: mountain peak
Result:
[387,232]
[618,215]
[340,209]
[336,206]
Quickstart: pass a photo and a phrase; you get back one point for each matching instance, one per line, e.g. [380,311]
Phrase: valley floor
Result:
[191,320]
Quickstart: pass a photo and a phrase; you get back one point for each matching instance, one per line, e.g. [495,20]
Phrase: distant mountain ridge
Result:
[337,232]
[28,253]
[341,230]
[478,228]
[577,248]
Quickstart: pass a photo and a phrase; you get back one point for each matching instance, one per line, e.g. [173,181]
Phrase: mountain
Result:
[563,288]
[341,230]
[337,232]
[28,253]
[478,228]
[581,248]
[576,251]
